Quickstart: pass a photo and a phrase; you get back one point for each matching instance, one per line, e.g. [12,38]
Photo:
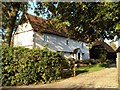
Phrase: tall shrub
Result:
[27,66]
[98,52]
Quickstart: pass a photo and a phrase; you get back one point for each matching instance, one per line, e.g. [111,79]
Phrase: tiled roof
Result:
[104,45]
[42,25]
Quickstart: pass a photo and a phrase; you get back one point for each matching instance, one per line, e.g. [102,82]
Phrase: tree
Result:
[89,21]
[108,19]
[80,20]
[11,17]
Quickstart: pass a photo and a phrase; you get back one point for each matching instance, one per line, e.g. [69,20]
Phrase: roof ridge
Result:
[35,16]
[105,45]
[38,21]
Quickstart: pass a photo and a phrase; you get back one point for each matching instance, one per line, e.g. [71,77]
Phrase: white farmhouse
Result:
[35,33]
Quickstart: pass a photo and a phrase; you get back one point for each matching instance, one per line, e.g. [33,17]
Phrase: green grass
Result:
[91,68]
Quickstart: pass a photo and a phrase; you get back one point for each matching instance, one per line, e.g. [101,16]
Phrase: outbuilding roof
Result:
[104,45]
[118,50]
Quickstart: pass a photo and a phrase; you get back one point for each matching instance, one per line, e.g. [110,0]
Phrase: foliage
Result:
[94,61]
[83,19]
[90,61]
[23,66]
[80,18]
[11,17]
[98,52]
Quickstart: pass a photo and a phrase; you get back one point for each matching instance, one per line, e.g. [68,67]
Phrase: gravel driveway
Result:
[106,78]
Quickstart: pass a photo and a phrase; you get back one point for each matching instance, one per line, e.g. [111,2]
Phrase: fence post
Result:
[118,68]
[75,69]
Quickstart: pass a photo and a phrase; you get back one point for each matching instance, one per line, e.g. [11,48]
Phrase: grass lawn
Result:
[90,68]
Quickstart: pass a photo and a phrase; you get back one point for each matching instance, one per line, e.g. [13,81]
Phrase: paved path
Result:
[106,78]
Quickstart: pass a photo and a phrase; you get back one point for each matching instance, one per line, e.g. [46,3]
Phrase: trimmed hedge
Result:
[23,66]
[95,61]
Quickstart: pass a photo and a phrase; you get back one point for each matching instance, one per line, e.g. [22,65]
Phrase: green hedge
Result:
[90,61]
[23,66]
[95,61]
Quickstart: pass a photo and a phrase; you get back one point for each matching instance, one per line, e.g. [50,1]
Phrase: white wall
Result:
[24,27]
[58,43]
[24,36]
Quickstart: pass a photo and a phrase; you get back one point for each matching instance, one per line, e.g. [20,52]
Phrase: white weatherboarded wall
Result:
[58,43]
[26,36]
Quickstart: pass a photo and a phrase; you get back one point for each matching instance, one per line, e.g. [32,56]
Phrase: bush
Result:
[23,66]
[90,61]
[98,52]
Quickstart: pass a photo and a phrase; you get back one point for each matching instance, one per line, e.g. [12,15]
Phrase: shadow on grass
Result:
[104,65]
[81,71]
[108,65]
[91,68]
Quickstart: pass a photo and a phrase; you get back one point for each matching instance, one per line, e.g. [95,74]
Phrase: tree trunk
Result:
[11,25]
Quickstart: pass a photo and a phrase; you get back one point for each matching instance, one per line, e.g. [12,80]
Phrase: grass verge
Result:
[90,68]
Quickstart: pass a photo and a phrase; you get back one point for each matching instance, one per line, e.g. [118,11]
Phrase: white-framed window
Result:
[45,38]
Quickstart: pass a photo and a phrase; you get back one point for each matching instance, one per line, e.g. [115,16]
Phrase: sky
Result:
[32,11]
